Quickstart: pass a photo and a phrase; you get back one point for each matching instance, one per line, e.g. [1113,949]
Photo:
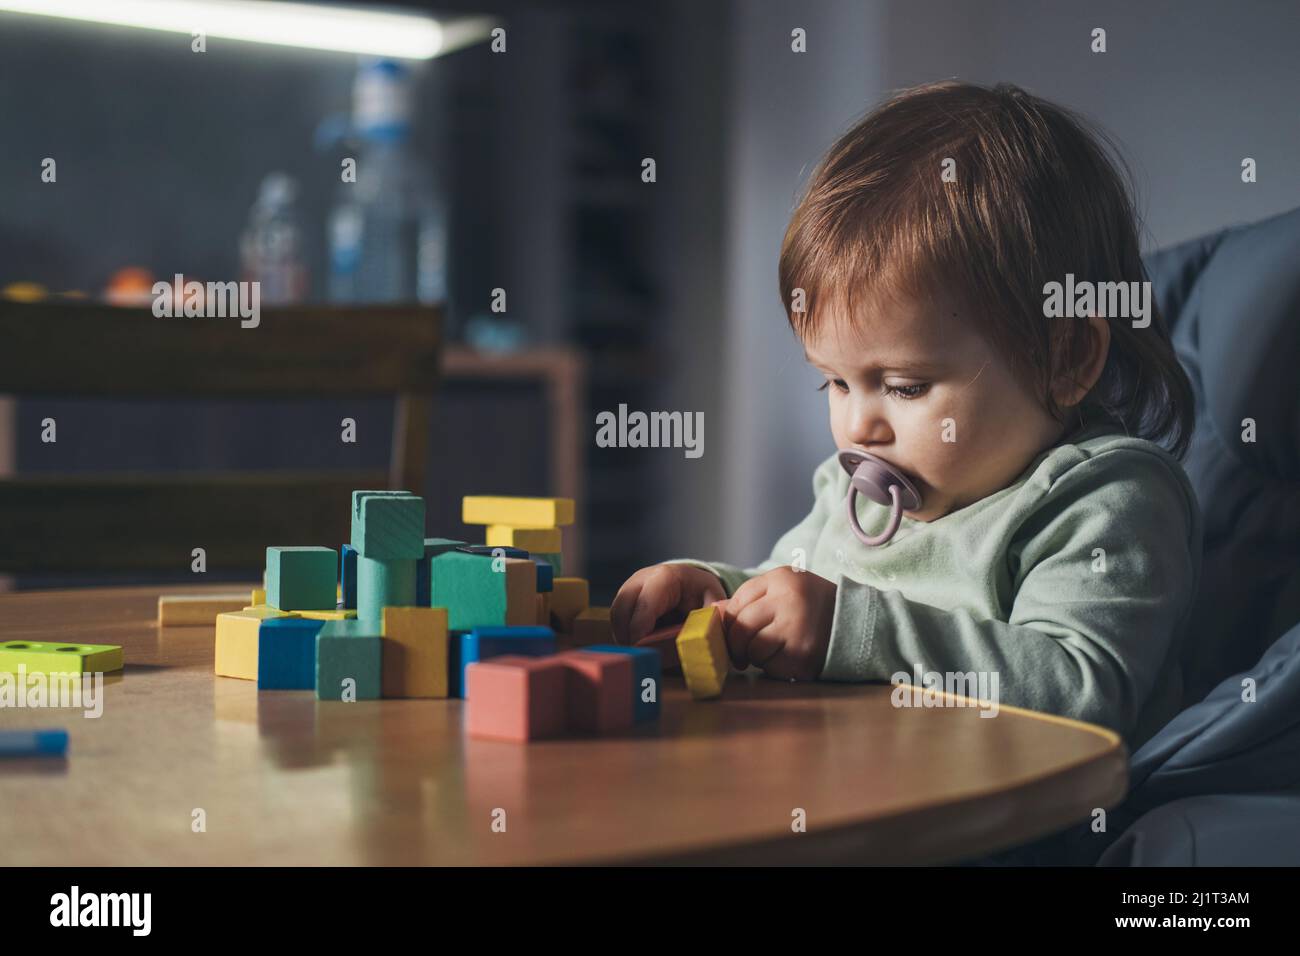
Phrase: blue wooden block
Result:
[545,577]
[302,579]
[646,663]
[348,649]
[432,548]
[348,575]
[483,643]
[389,527]
[286,653]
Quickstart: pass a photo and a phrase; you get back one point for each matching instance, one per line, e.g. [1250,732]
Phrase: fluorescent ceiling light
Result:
[342,29]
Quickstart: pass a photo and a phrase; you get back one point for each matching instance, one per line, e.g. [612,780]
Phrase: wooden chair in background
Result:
[133,522]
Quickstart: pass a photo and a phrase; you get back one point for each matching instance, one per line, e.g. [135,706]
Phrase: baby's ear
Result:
[1084,362]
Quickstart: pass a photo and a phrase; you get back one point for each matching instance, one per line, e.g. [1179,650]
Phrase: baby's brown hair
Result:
[1036,195]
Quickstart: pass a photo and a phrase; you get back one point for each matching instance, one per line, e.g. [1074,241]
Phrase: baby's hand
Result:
[781,621]
[656,591]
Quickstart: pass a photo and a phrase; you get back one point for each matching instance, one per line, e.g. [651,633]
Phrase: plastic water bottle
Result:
[270,249]
[388,230]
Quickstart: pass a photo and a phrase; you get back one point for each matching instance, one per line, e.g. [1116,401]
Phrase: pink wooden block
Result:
[516,697]
[599,695]
[664,641]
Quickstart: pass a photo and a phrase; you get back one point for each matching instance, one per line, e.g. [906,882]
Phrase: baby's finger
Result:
[743,628]
[767,651]
[747,594]
[620,612]
[659,596]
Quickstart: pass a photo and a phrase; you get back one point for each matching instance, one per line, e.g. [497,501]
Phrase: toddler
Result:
[1057,544]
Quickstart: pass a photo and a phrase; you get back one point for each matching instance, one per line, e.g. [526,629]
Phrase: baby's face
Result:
[909,375]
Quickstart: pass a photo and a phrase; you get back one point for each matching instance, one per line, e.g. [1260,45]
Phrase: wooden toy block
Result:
[554,559]
[545,576]
[592,626]
[517,512]
[702,649]
[286,653]
[645,667]
[389,527]
[529,539]
[45,657]
[383,583]
[597,697]
[483,643]
[301,579]
[664,641]
[348,649]
[569,598]
[359,496]
[516,698]
[348,576]
[237,633]
[258,597]
[338,614]
[543,615]
[182,610]
[494,552]
[481,591]
[415,652]
[52,742]
[432,548]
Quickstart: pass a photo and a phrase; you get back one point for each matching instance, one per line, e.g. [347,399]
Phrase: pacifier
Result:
[883,484]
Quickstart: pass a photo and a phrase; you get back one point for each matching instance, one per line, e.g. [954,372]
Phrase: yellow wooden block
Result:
[237,641]
[702,649]
[592,627]
[341,614]
[259,596]
[178,610]
[517,512]
[414,649]
[569,598]
[535,540]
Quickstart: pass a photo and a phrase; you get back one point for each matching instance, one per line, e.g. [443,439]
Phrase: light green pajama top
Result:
[1072,585]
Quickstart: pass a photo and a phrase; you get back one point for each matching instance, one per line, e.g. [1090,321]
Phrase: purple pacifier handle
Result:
[884,484]
[895,517]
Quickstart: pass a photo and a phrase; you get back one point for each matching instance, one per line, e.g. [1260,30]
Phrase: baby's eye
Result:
[906,391]
[840,385]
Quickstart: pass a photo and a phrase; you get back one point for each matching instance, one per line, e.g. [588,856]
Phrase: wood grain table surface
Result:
[284,779]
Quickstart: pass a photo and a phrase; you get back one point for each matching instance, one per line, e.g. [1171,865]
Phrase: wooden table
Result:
[285,779]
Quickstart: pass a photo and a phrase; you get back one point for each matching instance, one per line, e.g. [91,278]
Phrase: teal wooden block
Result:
[357,497]
[388,526]
[432,548]
[302,579]
[554,560]
[349,650]
[474,593]
[382,584]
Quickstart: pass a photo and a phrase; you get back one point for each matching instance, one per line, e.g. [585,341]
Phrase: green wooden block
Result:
[554,560]
[383,583]
[42,657]
[477,594]
[388,529]
[302,579]
[432,548]
[349,649]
